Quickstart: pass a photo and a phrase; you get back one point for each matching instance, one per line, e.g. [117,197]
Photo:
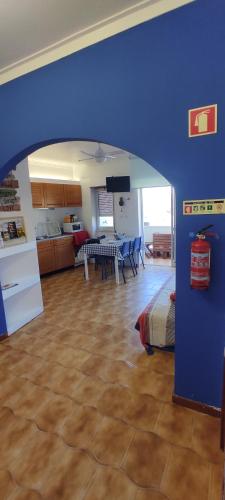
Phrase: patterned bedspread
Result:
[156,323]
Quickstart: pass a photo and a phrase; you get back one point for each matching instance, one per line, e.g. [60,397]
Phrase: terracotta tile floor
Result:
[87,415]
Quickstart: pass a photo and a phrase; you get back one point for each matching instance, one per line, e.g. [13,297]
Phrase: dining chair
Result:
[126,251]
[89,241]
[100,260]
[137,252]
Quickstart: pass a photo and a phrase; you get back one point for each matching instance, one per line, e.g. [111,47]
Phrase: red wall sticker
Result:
[202,121]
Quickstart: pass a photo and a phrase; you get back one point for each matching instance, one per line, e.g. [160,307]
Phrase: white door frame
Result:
[173,222]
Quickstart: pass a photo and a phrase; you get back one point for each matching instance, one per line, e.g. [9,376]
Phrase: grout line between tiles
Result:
[92,479]
[166,467]
[126,451]
[210,485]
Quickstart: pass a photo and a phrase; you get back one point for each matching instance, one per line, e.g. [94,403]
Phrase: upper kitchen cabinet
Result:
[49,195]
[37,191]
[53,195]
[72,195]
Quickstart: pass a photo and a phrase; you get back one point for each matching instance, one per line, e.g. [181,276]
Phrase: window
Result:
[104,208]
[157,206]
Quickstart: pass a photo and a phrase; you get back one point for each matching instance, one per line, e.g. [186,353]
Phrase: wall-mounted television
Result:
[118,184]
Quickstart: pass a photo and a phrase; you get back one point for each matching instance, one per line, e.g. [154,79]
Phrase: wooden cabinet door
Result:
[53,195]
[64,253]
[72,195]
[37,192]
[46,256]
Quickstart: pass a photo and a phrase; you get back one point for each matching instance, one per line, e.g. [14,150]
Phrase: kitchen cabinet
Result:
[64,253]
[37,190]
[46,256]
[55,254]
[72,195]
[53,195]
[49,195]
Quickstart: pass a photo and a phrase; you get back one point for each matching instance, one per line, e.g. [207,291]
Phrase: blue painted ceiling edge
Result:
[134,91]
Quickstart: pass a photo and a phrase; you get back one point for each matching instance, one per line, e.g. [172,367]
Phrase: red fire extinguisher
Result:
[200,260]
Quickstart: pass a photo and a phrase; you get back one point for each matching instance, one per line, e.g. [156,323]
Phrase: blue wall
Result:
[133,91]
[3,329]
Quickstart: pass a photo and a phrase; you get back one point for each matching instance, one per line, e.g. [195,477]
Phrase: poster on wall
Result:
[12,231]
[9,196]
[202,121]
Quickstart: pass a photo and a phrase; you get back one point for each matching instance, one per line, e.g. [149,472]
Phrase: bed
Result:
[156,323]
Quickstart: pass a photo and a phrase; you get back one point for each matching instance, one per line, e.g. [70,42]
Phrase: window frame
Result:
[98,225]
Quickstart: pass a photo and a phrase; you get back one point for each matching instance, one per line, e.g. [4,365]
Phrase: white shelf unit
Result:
[20,287]
[23,302]
[19,264]
[18,248]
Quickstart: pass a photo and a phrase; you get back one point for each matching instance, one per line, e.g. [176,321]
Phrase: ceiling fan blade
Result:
[86,153]
[87,159]
[121,158]
[116,153]
[110,157]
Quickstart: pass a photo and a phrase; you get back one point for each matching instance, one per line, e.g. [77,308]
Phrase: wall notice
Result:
[204,207]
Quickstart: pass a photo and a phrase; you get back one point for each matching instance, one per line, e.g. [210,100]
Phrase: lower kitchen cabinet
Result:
[55,254]
[64,253]
[46,256]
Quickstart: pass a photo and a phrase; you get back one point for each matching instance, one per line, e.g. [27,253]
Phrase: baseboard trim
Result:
[197,406]
[3,337]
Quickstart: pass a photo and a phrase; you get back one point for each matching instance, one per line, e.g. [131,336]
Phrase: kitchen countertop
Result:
[54,237]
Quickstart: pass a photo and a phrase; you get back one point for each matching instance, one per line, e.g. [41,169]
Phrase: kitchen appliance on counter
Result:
[73,227]
[70,218]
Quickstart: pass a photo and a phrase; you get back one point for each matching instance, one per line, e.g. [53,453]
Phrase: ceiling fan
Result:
[101,156]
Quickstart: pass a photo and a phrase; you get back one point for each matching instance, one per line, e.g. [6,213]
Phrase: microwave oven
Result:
[72,227]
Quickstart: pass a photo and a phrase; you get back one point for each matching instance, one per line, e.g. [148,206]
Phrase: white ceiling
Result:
[46,22]
[60,161]
[30,29]
[69,152]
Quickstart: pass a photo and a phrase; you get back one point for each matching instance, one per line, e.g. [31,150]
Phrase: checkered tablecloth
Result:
[110,249]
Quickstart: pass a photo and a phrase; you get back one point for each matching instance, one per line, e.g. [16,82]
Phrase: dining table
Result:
[106,247]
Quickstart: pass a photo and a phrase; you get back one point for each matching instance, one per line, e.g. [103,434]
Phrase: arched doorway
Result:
[124,93]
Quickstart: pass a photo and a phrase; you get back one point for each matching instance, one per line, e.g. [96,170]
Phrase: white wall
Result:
[25,199]
[54,215]
[51,169]
[127,218]
[149,230]
[93,175]
[144,175]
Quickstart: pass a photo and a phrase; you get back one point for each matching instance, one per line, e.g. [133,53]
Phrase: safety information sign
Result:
[202,121]
[204,207]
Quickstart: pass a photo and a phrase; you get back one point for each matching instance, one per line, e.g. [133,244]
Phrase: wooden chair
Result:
[161,245]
